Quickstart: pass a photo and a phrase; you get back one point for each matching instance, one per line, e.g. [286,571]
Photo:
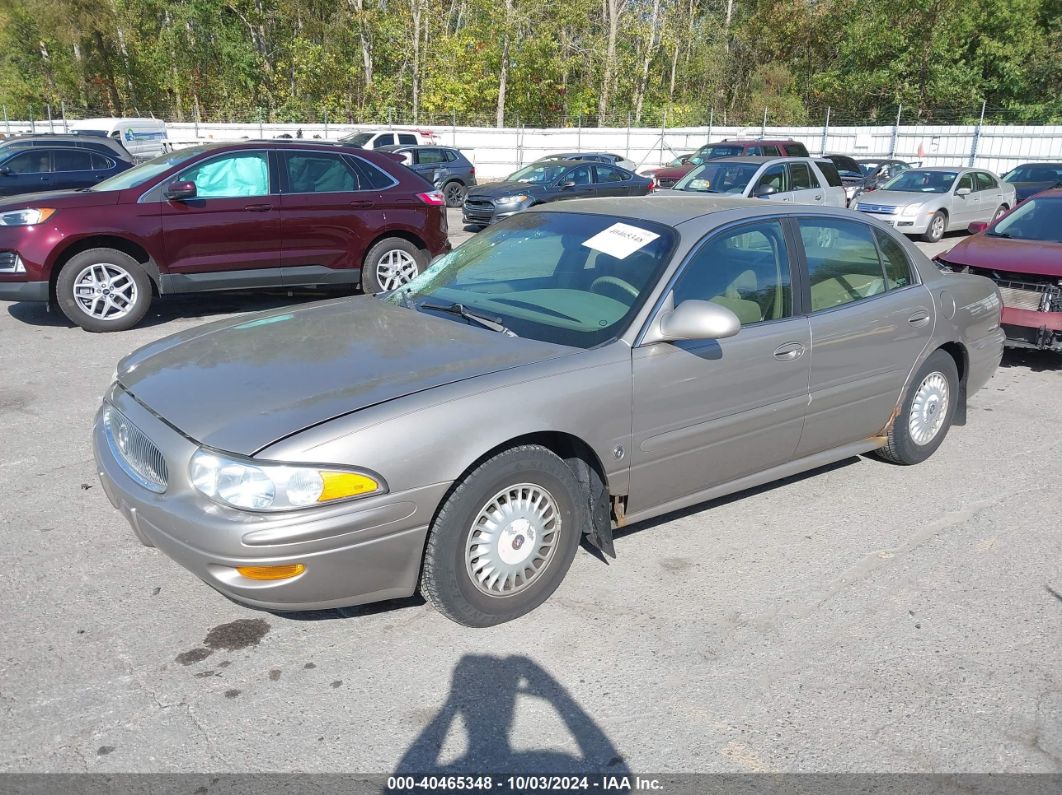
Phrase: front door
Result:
[870,321]
[776,178]
[27,172]
[964,209]
[329,218]
[612,182]
[709,412]
[232,226]
[72,168]
[580,181]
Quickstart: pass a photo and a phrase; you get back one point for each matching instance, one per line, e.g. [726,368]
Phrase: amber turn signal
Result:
[271,572]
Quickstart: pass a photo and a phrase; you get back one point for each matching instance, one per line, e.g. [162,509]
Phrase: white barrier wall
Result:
[497,152]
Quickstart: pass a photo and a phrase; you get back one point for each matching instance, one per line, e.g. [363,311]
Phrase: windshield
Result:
[847,167]
[719,150]
[1035,219]
[568,278]
[1035,173]
[869,167]
[679,161]
[719,178]
[539,173]
[138,175]
[922,181]
[357,139]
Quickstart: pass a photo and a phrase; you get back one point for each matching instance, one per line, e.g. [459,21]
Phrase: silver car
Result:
[931,201]
[566,372]
[801,180]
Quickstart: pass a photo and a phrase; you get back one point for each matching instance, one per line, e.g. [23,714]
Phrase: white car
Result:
[801,180]
[374,139]
[142,138]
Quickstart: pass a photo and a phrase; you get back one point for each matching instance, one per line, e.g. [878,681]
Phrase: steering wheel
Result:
[614,281]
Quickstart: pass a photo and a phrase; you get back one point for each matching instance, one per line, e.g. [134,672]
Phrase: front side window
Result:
[745,270]
[31,162]
[579,176]
[386,139]
[407,138]
[318,173]
[800,177]
[843,263]
[965,181]
[773,177]
[563,277]
[230,176]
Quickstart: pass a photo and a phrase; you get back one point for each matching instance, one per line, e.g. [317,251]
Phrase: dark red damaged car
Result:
[1022,253]
[220,217]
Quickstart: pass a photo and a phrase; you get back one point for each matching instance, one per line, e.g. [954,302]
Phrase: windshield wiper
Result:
[492,324]
[998,234]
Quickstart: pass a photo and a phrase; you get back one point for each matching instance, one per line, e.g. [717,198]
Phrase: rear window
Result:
[796,149]
[829,170]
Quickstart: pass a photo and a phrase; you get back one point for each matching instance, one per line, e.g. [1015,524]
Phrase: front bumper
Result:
[485,216]
[23,291]
[908,225]
[357,552]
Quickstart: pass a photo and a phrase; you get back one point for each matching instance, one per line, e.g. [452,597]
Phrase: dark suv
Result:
[94,143]
[37,168]
[253,214]
[752,147]
[446,167]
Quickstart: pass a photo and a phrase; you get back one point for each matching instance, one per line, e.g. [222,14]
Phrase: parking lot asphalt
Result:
[864,617]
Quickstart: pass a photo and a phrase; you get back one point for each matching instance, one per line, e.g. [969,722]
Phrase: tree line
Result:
[534,62]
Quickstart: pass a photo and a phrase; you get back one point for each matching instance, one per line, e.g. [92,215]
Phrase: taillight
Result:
[472,171]
[652,185]
[434,198]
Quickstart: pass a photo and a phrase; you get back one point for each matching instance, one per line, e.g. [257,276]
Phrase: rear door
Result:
[803,184]
[870,321]
[432,165]
[72,168]
[611,181]
[28,171]
[991,194]
[230,234]
[329,217]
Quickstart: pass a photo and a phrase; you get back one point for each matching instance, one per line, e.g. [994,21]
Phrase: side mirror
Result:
[963,191]
[977,227]
[180,191]
[695,320]
[5,170]
[763,191]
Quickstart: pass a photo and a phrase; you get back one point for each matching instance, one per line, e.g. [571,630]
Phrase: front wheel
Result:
[504,538]
[935,231]
[1000,212]
[390,264]
[923,422]
[103,290]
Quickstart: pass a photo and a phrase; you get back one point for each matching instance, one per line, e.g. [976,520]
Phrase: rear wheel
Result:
[455,193]
[504,538]
[923,422]
[935,231]
[1000,211]
[103,290]
[390,264]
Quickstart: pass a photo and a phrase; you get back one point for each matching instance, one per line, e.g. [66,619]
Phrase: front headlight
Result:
[520,197]
[911,209]
[28,217]
[266,486]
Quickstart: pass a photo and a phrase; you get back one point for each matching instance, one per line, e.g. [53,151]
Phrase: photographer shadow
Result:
[483,694]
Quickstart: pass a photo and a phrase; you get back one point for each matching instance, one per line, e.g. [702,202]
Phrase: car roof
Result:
[411,147]
[671,209]
[762,159]
[958,169]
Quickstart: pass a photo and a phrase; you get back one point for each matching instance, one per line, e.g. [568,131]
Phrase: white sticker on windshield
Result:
[620,240]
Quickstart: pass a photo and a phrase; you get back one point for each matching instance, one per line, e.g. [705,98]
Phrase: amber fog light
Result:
[271,572]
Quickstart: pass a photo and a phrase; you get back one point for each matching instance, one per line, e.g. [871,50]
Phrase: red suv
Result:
[218,217]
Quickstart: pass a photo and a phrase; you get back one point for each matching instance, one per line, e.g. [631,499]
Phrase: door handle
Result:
[258,208]
[919,318]
[818,197]
[789,351]
[361,204]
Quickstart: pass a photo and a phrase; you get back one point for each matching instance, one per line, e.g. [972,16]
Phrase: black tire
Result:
[447,581]
[116,264]
[455,193]
[937,226]
[902,447]
[374,278]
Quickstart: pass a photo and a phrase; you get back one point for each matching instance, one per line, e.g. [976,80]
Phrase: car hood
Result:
[496,190]
[898,198]
[60,199]
[1026,189]
[239,385]
[671,172]
[1014,256]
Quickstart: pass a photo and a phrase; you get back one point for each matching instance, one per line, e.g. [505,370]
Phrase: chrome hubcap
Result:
[512,540]
[395,268]
[938,226]
[928,409]
[105,291]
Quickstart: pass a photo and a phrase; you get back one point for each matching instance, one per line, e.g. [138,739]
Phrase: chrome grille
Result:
[1016,298]
[134,451]
[882,209]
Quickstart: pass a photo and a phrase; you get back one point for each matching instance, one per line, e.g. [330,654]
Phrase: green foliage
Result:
[305,60]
